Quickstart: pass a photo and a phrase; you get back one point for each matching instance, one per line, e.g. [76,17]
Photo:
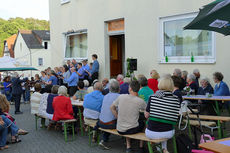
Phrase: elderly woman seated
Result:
[124,88]
[153,81]
[162,112]
[221,88]
[51,96]
[145,92]
[191,80]
[62,105]
[206,88]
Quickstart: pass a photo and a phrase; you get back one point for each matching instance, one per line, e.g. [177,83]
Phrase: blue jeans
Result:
[8,123]
[27,95]
[8,96]
[3,135]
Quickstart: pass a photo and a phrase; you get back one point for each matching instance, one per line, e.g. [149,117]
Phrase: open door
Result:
[116,49]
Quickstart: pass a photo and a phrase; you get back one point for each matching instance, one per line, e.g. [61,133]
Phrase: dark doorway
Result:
[116,54]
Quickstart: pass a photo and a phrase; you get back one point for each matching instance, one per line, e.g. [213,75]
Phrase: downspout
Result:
[30,63]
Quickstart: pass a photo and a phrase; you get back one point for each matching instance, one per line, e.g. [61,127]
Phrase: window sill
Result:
[77,58]
[64,2]
[188,61]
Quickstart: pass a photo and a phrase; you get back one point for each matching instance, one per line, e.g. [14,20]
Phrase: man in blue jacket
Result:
[72,82]
[95,68]
[17,92]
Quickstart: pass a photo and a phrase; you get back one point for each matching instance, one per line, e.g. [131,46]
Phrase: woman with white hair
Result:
[191,80]
[62,105]
[206,106]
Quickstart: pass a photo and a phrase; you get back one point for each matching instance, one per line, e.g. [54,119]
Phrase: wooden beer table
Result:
[211,99]
[217,146]
[79,105]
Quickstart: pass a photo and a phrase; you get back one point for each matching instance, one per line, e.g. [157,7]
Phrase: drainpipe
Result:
[30,63]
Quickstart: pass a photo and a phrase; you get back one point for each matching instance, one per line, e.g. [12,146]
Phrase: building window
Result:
[64,1]
[46,45]
[20,46]
[180,46]
[40,61]
[76,46]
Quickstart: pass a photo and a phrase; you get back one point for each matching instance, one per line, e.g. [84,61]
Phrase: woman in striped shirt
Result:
[162,112]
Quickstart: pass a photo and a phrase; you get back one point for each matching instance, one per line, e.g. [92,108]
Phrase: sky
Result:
[38,9]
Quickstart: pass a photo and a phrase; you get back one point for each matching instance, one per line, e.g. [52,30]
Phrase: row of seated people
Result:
[122,112]
[8,125]
[102,110]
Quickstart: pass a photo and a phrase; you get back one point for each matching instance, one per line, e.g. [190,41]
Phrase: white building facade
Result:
[150,31]
[33,50]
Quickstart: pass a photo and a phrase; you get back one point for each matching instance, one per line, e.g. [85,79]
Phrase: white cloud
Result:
[24,8]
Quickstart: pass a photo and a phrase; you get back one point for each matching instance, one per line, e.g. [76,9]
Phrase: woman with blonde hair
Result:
[153,81]
[164,112]
[4,104]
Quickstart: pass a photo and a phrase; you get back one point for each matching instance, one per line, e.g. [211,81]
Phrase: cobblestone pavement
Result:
[44,141]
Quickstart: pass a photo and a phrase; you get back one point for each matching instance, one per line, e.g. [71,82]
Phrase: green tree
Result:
[12,25]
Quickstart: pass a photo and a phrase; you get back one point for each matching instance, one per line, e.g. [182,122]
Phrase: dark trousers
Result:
[72,90]
[94,76]
[17,100]
[134,130]
[103,126]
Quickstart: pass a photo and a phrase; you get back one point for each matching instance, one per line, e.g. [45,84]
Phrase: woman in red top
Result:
[62,106]
[152,82]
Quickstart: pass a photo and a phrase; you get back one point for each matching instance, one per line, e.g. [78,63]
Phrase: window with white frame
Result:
[40,61]
[76,46]
[64,1]
[180,46]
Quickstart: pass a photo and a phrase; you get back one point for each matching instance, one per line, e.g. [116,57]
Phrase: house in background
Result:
[33,47]
[148,30]
[8,49]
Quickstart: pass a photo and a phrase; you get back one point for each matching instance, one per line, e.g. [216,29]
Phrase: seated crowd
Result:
[116,103]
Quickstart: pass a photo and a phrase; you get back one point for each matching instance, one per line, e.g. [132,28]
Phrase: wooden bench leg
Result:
[174,144]
[89,133]
[81,122]
[36,122]
[150,147]
[43,122]
[73,133]
[65,131]
[189,130]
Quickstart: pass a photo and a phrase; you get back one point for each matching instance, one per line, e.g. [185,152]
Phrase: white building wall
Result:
[142,26]
[22,53]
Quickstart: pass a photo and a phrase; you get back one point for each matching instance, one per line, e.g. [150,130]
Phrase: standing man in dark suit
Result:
[17,91]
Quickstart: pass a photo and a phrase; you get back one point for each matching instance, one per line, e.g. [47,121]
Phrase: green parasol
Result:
[213,17]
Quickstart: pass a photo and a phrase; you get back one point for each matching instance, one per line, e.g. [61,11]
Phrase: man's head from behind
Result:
[134,86]
[98,86]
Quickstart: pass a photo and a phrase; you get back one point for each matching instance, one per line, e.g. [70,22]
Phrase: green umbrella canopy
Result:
[213,17]
[17,69]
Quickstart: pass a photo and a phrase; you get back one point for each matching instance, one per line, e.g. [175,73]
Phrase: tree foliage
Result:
[11,26]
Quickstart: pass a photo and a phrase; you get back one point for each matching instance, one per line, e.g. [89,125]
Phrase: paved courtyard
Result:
[44,141]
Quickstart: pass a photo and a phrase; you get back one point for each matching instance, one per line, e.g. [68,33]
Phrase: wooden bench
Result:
[210,117]
[138,136]
[66,124]
[219,119]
